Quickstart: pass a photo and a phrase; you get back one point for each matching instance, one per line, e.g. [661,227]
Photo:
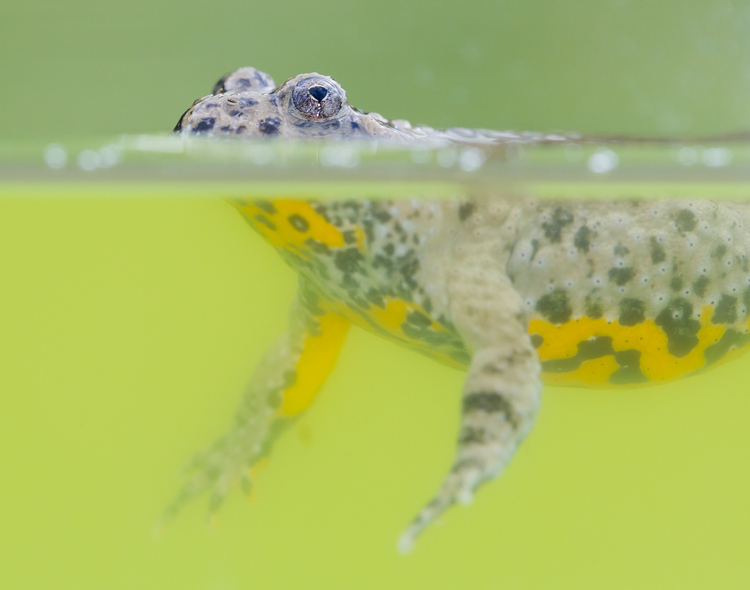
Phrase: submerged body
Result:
[612,293]
[617,293]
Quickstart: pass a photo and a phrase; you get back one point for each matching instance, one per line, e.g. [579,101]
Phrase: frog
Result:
[517,292]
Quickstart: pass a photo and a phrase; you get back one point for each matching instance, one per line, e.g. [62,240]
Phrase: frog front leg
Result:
[502,391]
[284,384]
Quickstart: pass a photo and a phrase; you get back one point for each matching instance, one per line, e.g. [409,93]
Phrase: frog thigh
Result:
[284,384]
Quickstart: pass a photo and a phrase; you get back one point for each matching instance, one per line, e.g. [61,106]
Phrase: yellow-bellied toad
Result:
[603,293]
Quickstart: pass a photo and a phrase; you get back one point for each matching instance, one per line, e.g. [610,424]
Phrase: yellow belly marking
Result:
[390,321]
[656,362]
[593,371]
[290,223]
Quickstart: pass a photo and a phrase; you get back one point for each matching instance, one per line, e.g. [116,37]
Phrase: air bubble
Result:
[447,157]
[109,156]
[89,160]
[716,157]
[603,161]
[55,156]
[471,159]
[687,156]
[339,156]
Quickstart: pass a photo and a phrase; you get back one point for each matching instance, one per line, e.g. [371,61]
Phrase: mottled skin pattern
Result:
[246,103]
[590,293]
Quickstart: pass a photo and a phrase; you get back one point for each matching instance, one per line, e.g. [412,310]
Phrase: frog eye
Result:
[244,80]
[317,98]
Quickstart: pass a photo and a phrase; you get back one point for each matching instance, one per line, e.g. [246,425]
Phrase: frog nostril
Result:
[318,93]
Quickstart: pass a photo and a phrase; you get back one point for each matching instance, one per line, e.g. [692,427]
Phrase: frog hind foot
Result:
[502,391]
[500,401]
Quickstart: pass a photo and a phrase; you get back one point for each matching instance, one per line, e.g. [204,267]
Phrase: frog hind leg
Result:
[283,385]
[501,395]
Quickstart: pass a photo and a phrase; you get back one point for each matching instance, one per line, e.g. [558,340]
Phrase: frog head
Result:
[247,103]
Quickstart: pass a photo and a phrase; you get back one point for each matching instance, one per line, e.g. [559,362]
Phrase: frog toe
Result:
[217,470]
[458,488]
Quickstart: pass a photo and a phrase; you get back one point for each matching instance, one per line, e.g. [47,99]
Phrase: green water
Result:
[129,328]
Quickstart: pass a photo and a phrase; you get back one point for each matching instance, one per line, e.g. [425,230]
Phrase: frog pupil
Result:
[318,92]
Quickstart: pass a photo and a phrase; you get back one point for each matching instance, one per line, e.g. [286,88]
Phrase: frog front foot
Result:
[283,386]
[231,460]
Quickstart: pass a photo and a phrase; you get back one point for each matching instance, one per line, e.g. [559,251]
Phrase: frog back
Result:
[633,292]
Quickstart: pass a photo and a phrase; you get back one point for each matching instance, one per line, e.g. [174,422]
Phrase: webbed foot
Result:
[283,386]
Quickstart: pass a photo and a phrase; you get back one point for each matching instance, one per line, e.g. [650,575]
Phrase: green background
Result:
[641,66]
[129,327]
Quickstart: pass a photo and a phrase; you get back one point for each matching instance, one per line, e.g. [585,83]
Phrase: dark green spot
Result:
[632,312]
[310,300]
[490,403]
[298,222]
[582,239]
[676,322]
[417,318]
[374,297]
[465,210]
[592,348]
[726,311]
[555,306]
[445,342]
[264,205]
[621,275]
[380,260]
[719,252]
[630,369]
[685,220]
[657,251]
[553,228]
[699,286]
[730,339]
[471,435]
[265,221]
[593,307]
[348,260]
[356,300]
[381,215]
[621,250]
[318,247]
